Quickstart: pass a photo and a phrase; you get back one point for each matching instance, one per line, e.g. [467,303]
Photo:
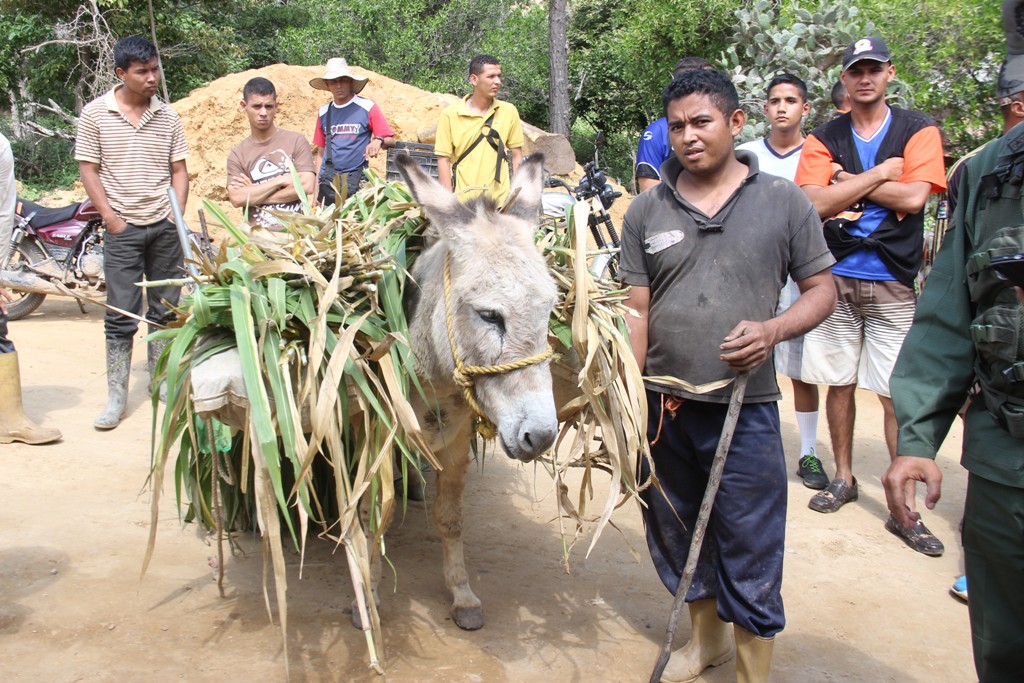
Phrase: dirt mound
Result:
[214,123]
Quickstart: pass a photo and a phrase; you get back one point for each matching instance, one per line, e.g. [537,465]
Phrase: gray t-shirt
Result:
[706,274]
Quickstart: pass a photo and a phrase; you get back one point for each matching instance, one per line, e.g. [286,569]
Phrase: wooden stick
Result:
[739,389]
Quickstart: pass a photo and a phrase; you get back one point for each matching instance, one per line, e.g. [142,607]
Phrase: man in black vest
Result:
[868,173]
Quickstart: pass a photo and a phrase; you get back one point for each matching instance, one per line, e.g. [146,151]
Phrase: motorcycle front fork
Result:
[16,235]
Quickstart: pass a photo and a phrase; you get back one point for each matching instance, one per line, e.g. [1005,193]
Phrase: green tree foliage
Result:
[949,55]
[621,55]
[199,41]
[428,43]
[806,40]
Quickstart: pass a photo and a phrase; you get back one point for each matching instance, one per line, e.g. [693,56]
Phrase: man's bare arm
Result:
[318,158]
[287,192]
[645,183]
[830,200]
[902,197]
[517,158]
[444,172]
[750,343]
[179,181]
[638,301]
[280,190]
[90,173]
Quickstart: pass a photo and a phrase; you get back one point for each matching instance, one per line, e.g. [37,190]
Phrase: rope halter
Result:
[464,374]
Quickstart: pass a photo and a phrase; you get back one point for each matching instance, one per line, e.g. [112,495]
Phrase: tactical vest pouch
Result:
[998,336]
[998,331]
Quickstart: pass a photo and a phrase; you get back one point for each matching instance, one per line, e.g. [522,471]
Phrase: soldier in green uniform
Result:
[964,342]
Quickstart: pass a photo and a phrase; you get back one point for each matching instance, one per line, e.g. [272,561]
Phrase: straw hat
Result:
[337,67]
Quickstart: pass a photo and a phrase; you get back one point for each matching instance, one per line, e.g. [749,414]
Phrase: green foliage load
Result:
[315,314]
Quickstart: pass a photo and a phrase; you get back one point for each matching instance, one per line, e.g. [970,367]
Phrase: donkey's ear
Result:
[440,205]
[527,186]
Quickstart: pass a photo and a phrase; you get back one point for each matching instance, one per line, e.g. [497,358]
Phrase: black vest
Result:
[899,243]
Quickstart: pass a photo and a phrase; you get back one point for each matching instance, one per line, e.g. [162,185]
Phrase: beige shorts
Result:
[789,355]
[858,343]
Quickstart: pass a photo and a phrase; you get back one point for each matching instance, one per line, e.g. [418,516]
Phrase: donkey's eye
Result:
[493,317]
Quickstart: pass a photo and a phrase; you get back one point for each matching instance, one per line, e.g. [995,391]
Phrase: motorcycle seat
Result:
[45,216]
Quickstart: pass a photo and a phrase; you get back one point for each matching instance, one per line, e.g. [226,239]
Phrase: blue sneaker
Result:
[959,588]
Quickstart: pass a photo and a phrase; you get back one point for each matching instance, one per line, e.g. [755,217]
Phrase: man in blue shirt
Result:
[869,174]
[654,149]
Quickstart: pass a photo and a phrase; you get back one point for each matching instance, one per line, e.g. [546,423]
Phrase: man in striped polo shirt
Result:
[130,149]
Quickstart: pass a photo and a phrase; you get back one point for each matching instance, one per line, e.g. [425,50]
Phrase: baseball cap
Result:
[871,48]
[1011,74]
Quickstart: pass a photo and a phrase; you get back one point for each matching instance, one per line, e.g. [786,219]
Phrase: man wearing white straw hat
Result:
[354,126]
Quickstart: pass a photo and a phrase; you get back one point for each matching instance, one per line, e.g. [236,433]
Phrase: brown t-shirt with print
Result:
[264,161]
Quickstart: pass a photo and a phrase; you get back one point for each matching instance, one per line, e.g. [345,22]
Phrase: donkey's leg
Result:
[451,481]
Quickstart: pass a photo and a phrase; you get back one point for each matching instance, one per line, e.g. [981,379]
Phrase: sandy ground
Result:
[74,518]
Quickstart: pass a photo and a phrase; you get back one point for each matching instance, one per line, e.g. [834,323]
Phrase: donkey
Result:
[495,313]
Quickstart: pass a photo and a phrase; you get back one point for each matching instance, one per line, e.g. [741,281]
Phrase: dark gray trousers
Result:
[994,556]
[150,251]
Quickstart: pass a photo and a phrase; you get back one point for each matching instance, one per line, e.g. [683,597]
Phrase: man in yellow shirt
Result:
[475,135]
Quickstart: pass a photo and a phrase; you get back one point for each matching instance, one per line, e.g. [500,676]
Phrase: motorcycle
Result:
[593,184]
[60,251]
[61,245]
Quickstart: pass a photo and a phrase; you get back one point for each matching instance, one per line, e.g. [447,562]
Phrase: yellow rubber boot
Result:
[14,424]
[710,645]
[753,657]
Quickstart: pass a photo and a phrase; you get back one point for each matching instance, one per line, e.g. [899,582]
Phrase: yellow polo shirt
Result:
[459,128]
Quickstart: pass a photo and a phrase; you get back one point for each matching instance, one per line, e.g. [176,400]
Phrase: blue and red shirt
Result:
[352,126]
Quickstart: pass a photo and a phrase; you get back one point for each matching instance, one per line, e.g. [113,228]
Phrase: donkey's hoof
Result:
[357,620]
[468,618]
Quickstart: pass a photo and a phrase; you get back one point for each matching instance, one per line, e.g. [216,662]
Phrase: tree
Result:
[949,54]
[428,43]
[558,77]
[621,54]
[808,43]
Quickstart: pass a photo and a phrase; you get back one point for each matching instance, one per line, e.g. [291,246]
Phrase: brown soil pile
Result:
[214,123]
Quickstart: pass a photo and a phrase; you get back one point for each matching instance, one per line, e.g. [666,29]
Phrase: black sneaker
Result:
[811,471]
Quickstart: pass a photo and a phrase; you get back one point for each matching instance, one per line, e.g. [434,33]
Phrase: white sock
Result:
[808,424]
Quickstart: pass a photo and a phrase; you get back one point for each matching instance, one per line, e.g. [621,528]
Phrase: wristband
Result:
[835,177]
[377,137]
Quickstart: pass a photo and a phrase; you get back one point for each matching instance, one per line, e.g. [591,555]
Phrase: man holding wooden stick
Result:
[706,253]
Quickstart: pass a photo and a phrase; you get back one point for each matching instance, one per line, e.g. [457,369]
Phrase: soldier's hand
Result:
[903,469]
[747,345]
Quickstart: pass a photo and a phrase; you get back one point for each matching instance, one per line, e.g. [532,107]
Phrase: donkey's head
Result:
[498,303]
